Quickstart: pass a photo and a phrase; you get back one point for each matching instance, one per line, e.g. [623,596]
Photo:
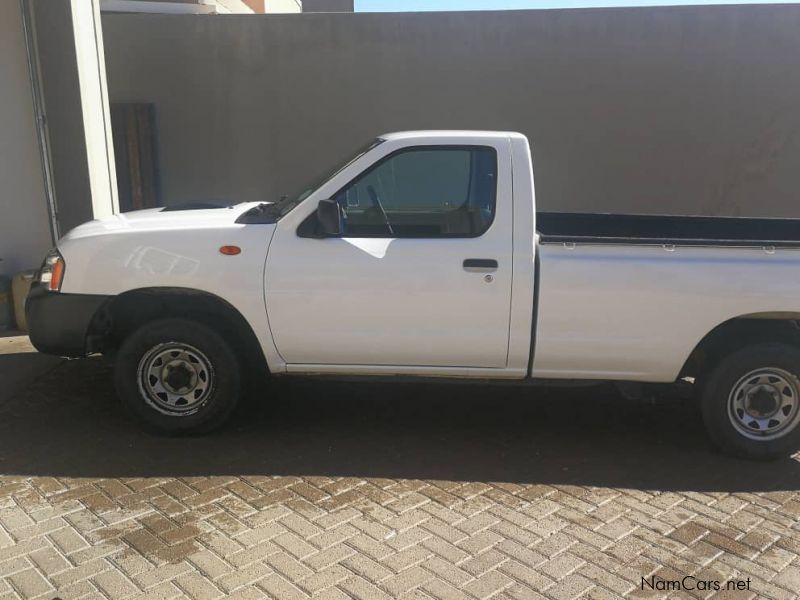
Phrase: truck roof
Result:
[400,135]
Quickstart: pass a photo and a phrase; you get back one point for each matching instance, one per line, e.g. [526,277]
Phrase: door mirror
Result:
[329,217]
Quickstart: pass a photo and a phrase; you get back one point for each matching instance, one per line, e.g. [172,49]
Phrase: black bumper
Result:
[58,323]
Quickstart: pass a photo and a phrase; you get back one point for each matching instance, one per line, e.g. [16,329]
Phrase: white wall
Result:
[91,66]
[283,6]
[24,228]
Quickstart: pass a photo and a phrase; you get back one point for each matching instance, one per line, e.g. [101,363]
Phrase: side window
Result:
[423,192]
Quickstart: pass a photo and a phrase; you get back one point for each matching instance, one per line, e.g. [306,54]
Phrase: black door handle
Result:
[480,264]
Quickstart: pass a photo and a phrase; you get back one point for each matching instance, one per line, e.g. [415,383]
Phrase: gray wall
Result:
[62,99]
[688,110]
[24,224]
[328,6]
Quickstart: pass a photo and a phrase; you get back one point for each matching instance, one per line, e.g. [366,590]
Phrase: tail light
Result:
[52,271]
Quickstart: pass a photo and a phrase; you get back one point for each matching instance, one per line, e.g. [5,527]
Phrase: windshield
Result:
[288,203]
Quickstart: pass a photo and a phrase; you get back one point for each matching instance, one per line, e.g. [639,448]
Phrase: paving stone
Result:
[29,583]
[49,561]
[363,589]
[278,587]
[114,584]
[198,587]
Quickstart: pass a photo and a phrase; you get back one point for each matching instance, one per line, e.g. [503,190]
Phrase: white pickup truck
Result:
[424,256]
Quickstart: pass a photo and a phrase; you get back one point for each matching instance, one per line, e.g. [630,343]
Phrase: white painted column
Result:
[94,103]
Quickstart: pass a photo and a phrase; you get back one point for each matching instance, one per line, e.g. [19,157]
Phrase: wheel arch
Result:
[123,313]
[739,332]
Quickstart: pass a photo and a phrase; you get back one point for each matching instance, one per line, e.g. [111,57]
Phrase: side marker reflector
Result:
[230,250]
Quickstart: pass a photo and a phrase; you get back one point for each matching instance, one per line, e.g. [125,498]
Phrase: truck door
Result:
[421,275]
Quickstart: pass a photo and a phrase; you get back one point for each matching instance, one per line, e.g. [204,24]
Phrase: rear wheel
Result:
[751,402]
[178,376]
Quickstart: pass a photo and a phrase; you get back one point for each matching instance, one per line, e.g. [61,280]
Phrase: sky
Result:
[419,5]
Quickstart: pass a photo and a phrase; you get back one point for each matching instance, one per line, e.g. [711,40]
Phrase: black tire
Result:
[724,416]
[204,357]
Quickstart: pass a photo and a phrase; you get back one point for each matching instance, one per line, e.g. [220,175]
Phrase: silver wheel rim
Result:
[175,378]
[765,404]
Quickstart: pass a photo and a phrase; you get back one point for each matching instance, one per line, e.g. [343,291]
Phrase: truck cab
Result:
[417,276]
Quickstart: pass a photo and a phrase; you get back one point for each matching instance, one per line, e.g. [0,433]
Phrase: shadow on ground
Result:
[68,423]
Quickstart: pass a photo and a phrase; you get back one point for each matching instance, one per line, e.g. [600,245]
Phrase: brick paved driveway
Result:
[343,490]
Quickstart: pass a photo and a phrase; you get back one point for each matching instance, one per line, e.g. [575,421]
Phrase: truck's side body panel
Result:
[153,249]
[636,312]
[394,304]
[524,292]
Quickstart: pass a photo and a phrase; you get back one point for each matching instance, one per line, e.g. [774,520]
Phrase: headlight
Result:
[52,272]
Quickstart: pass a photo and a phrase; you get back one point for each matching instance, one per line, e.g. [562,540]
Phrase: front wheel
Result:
[751,402]
[177,376]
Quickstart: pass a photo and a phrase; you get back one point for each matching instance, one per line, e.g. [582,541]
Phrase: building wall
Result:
[257,6]
[687,110]
[328,6]
[62,97]
[24,222]
[184,6]
[283,6]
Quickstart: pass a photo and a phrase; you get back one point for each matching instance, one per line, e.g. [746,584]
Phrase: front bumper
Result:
[59,323]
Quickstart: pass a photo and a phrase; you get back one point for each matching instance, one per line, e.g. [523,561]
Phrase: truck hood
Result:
[157,219]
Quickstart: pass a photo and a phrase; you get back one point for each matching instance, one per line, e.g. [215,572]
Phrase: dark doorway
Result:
[136,156]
